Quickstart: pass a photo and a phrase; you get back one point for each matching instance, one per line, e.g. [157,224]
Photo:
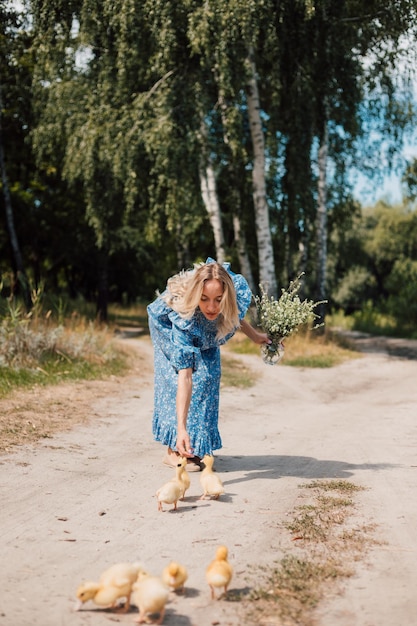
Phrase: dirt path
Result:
[78,502]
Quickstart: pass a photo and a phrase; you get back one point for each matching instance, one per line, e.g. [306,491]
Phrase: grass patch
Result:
[327,548]
[236,374]
[134,316]
[36,349]
[308,349]
[371,321]
[57,370]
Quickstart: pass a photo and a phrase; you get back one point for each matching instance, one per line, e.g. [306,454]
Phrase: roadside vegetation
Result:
[50,345]
[327,537]
[306,348]
[60,341]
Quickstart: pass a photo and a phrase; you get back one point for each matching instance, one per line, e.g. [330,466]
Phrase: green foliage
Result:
[371,320]
[375,275]
[355,288]
[402,287]
[109,98]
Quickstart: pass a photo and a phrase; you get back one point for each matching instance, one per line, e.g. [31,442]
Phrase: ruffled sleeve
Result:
[173,335]
[243,292]
[184,352]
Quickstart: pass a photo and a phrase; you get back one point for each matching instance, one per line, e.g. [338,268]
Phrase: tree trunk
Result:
[242,253]
[102,286]
[239,234]
[21,279]
[182,248]
[322,222]
[211,202]
[210,198]
[263,231]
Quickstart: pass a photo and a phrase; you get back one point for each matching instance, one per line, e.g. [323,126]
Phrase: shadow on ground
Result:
[276,466]
[396,347]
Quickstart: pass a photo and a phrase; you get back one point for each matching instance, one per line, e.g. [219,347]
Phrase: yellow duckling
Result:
[184,476]
[150,595]
[172,491]
[210,482]
[174,576]
[219,572]
[114,583]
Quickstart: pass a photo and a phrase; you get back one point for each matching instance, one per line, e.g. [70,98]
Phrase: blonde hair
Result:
[184,292]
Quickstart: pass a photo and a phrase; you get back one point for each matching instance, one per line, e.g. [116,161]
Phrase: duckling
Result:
[150,595]
[210,482]
[219,572]
[114,583]
[172,491]
[184,476]
[174,576]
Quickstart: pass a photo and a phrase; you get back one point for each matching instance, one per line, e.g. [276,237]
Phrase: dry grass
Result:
[39,350]
[307,349]
[326,543]
[42,409]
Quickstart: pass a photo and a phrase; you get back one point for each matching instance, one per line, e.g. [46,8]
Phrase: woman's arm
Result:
[184,389]
[253,334]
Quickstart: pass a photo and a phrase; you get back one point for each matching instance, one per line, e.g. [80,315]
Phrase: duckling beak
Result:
[77,605]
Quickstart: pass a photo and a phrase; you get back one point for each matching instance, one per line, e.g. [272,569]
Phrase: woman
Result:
[199,311]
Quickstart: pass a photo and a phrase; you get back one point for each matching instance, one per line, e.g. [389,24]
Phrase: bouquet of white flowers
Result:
[283,317]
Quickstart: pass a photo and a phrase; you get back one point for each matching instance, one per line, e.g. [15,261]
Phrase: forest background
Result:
[139,137]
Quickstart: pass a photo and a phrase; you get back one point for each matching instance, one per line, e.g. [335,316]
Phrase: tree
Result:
[10,50]
[322,49]
[210,197]
[263,230]
[84,109]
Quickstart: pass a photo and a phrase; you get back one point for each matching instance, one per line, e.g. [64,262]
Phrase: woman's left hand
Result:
[263,338]
[253,334]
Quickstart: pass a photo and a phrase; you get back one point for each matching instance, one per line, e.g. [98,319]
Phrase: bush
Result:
[356,287]
[402,285]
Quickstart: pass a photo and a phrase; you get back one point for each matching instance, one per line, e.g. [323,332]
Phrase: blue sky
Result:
[368,192]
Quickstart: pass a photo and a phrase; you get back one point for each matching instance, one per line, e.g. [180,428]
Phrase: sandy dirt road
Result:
[76,503]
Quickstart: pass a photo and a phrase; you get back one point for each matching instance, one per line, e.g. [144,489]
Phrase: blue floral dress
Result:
[182,343]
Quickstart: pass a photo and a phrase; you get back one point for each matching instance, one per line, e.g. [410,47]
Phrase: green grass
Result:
[235,374]
[371,321]
[55,370]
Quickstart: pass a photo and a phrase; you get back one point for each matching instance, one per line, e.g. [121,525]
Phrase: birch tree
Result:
[222,34]
[322,233]
[210,197]
[263,230]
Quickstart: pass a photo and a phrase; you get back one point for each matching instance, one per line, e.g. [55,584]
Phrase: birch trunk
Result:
[208,189]
[322,221]
[242,253]
[211,202]
[263,231]
[239,233]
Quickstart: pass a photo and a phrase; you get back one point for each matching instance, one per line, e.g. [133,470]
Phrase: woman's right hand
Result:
[185,386]
[183,444]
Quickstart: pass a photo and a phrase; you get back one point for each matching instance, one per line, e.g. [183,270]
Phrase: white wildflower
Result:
[283,317]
